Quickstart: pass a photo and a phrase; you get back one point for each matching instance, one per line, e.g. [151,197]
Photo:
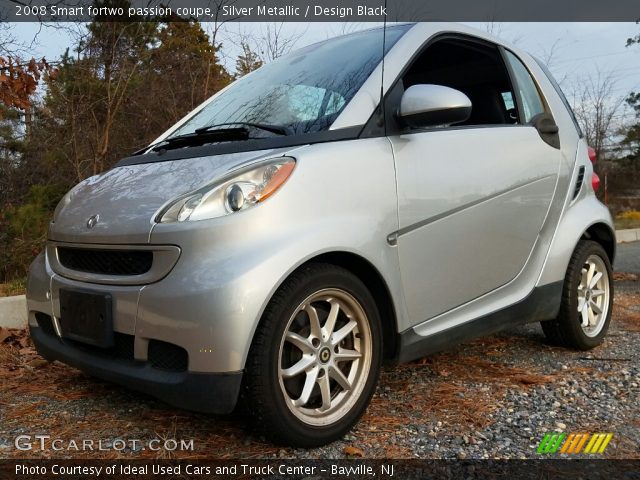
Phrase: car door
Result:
[472,198]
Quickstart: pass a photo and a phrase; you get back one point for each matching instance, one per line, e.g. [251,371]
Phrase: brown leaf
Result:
[4,334]
[38,363]
[353,451]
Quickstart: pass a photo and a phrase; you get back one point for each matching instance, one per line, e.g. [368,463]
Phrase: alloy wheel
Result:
[325,357]
[593,295]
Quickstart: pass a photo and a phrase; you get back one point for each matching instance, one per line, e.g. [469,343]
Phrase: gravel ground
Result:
[494,397]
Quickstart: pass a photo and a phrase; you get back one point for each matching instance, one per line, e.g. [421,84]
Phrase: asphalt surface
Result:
[628,258]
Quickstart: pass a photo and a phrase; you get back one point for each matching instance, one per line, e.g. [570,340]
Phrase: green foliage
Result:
[247,61]
[23,229]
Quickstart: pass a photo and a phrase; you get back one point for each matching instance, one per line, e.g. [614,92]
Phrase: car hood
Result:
[125,199]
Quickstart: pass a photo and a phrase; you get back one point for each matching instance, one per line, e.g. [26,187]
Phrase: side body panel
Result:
[526,278]
[471,202]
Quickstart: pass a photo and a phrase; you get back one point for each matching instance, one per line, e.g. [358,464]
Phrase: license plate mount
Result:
[86,317]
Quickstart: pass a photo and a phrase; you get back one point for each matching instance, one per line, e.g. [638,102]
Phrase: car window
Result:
[306,102]
[303,91]
[528,94]
[477,69]
[563,97]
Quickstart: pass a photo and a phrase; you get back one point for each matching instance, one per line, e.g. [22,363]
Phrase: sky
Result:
[576,51]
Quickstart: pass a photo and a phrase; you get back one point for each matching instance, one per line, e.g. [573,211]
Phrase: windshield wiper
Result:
[200,138]
[222,132]
[277,129]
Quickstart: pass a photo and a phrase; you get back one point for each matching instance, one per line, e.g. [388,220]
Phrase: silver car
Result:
[337,208]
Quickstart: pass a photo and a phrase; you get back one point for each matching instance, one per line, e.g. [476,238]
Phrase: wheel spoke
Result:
[325,392]
[346,355]
[592,317]
[339,377]
[582,301]
[309,383]
[341,334]
[583,278]
[592,269]
[314,321]
[594,306]
[299,341]
[300,366]
[330,324]
[595,279]
[596,293]
[585,317]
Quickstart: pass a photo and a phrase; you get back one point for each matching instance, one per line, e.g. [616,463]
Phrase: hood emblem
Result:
[92,221]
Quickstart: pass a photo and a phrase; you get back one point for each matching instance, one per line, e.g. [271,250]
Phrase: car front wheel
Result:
[315,359]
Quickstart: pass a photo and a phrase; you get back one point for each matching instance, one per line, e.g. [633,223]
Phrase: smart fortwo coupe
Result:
[326,213]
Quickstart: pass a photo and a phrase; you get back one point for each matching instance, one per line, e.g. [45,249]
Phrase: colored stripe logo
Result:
[574,443]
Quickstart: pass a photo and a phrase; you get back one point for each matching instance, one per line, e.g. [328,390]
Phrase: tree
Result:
[247,61]
[631,140]
[182,69]
[596,106]
[275,42]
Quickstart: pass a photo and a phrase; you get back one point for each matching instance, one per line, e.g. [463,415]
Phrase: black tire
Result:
[566,330]
[262,389]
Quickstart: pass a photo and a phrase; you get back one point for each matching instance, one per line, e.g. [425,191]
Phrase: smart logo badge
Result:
[574,443]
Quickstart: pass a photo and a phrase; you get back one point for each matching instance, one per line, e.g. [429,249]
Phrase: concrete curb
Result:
[13,312]
[630,235]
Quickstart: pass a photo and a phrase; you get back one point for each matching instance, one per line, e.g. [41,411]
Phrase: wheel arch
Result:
[373,280]
[602,233]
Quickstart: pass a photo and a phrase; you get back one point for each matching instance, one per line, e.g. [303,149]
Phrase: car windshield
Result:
[304,91]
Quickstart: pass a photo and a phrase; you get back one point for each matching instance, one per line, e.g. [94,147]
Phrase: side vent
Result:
[579,182]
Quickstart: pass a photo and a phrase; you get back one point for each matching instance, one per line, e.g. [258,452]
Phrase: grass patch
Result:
[13,287]
[629,219]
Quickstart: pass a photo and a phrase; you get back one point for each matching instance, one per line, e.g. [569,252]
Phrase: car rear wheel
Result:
[587,298]
[315,359]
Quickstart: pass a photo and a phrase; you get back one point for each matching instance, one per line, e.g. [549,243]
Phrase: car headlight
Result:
[239,191]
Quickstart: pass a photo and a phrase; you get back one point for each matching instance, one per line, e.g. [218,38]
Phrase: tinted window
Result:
[474,68]
[527,91]
[304,91]
[563,97]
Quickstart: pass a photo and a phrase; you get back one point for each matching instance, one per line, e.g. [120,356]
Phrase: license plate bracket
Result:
[86,316]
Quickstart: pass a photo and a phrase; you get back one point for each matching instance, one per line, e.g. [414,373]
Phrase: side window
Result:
[563,97]
[527,91]
[475,68]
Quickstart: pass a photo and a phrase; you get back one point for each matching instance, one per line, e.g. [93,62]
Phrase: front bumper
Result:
[200,392]
[193,321]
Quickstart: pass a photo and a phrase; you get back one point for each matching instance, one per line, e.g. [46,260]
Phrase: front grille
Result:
[106,262]
[122,346]
[166,356]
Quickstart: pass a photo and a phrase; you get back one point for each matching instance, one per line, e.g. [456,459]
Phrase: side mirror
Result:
[433,105]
